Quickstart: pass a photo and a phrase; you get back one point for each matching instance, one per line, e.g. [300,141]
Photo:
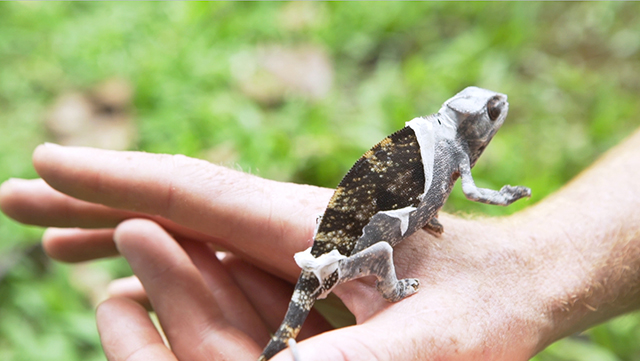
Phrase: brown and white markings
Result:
[393,190]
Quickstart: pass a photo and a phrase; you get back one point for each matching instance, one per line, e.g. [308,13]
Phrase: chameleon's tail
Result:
[301,303]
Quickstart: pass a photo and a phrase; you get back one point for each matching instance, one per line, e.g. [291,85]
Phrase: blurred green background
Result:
[297,92]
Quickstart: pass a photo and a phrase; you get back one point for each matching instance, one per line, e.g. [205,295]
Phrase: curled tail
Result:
[301,303]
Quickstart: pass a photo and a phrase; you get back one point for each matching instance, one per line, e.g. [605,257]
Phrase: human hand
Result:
[116,186]
[487,292]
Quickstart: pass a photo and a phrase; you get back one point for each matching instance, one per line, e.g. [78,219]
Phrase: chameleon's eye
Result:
[494,107]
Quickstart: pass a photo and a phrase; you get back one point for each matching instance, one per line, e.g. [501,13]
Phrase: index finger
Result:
[251,214]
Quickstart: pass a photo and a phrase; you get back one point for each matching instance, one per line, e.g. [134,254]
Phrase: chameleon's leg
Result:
[505,196]
[377,260]
[434,226]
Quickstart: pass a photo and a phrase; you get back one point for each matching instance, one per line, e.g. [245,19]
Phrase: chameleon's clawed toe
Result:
[403,288]
[411,286]
[513,193]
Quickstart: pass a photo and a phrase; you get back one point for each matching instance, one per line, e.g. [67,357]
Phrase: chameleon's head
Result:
[478,114]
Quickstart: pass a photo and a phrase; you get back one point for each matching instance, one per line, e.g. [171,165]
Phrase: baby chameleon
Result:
[393,190]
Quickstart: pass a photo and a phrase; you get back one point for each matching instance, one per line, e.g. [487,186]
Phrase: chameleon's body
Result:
[393,190]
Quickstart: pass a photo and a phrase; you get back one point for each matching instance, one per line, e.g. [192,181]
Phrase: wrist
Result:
[586,272]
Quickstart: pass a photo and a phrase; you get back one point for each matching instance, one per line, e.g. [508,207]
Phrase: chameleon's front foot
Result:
[513,193]
[505,196]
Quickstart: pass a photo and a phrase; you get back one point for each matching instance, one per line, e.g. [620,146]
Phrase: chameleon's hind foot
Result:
[377,260]
[401,289]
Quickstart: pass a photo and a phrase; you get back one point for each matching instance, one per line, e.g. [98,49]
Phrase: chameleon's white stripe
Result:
[423,128]
[403,215]
[321,266]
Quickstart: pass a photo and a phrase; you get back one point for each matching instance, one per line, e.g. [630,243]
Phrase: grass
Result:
[571,70]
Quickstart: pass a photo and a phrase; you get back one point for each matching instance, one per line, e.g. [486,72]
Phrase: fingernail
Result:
[52,145]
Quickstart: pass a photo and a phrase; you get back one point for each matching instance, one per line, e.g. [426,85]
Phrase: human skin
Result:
[491,288]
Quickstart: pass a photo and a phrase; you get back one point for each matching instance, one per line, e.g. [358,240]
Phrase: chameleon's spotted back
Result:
[389,176]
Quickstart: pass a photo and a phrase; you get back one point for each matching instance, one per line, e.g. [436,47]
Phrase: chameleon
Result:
[395,189]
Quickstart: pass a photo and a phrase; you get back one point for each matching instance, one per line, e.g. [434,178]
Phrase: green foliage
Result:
[571,71]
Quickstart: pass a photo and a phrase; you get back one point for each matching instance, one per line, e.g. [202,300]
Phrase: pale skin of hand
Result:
[491,289]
